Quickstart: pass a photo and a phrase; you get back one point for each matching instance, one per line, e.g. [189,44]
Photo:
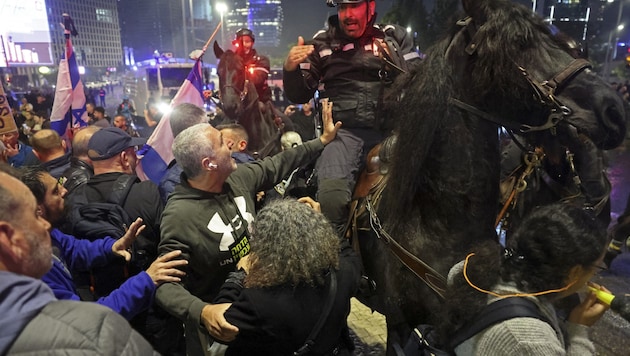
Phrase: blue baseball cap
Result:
[110,141]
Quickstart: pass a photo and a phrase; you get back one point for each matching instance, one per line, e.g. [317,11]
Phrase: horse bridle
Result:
[241,93]
[545,92]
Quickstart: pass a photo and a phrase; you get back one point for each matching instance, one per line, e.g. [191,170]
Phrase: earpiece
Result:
[212,165]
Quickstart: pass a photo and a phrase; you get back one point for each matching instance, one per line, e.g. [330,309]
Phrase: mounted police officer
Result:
[256,66]
[352,62]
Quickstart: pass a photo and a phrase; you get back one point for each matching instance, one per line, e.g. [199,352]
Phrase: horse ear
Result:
[475,9]
[218,51]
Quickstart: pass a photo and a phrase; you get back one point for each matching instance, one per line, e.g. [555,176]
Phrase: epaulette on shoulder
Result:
[385,28]
[319,33]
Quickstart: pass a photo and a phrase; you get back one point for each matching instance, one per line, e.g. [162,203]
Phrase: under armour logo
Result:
[217,226]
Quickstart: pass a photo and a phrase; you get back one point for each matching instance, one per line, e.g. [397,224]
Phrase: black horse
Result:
[499,66]
[239,102]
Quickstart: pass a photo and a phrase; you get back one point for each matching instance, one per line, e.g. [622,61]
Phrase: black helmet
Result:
[333,3]
[245,32]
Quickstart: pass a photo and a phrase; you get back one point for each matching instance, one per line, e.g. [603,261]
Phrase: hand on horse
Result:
[330,128]
[297,55]
[214,321]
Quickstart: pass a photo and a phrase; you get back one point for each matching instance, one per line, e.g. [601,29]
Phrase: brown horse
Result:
[499,66]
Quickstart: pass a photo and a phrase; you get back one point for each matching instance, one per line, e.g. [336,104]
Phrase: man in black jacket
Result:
[352,62]
[256,66]
[113,155]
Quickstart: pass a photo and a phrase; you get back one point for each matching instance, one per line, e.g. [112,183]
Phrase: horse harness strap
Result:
[546,93]
[545,90]
[432,278]
[265,151]
[532,161]
[482,114]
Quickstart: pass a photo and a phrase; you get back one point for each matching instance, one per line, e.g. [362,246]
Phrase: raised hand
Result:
[297,55]
[330,128]
[123,245]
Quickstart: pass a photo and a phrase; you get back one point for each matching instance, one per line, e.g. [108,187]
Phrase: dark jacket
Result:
[277,320]
[58,166]
[33,322]
[78,174]
[211,230]
[132,297]
[349,71]
[170,179]
[304,125]
[142,201]
[257,71]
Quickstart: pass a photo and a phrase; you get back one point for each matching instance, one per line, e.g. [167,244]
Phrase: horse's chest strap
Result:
[432,278]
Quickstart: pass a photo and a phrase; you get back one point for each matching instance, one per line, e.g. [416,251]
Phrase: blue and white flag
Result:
[69,104]
[157,153]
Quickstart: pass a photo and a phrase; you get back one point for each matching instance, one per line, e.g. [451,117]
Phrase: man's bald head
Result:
[47,145]
[80,142]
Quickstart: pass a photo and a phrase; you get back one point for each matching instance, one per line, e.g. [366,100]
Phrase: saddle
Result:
[371,183]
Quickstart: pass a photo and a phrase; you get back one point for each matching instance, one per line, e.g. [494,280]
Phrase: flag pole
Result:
[216,30]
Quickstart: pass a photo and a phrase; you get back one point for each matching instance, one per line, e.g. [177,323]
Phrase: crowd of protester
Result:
[208,262]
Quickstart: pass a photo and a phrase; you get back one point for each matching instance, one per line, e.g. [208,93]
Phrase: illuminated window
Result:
[104,15]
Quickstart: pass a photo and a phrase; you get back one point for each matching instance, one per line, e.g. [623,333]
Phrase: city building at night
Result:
[263,17]
[98,43]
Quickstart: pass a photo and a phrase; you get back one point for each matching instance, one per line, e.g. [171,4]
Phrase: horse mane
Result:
[416,128]
[495,79]
[492,82]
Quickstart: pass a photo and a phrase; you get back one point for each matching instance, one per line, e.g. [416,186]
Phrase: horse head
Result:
[239,101]
[235,91]
[522,59]
[499,65]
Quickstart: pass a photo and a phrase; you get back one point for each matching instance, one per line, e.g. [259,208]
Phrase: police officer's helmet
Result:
[333,3]
[245,32]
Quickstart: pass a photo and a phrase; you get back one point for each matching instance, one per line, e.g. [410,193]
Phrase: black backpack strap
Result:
[504,309]
[121,188]
[330,300]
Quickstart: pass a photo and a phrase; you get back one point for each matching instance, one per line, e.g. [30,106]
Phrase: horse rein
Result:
[432,278]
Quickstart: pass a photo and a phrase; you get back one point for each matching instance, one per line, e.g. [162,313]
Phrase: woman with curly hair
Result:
[280,291]
[551,255]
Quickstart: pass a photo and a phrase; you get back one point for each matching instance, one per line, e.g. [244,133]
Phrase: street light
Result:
[619,29]
[222,9]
